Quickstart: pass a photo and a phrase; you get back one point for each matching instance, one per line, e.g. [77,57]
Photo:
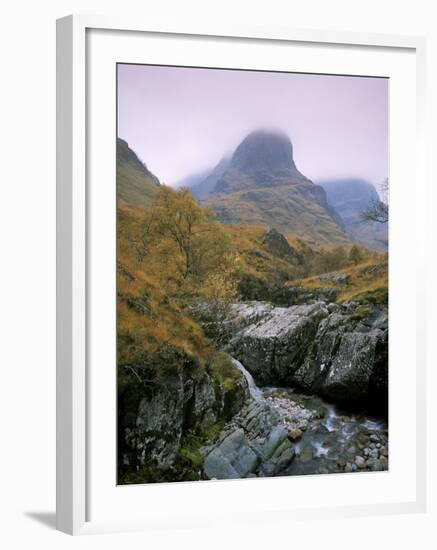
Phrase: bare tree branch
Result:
[377,211]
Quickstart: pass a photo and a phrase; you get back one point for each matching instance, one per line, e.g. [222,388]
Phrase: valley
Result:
[252,322]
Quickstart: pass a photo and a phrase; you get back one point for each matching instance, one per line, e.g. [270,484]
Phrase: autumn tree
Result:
[355,254]
[338,257]
[185,245]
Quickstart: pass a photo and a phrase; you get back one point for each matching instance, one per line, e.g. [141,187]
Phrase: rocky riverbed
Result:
[338,351]
[312,398]
[328,439]
[283,432]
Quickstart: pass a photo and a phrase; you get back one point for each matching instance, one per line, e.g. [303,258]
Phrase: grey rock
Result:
[374,453]
[306,454]
[272,348]
[190,399]
[335,277]
[322,348]
[383,451]
[278,245]
[253,443]
[217,466]
[277,436]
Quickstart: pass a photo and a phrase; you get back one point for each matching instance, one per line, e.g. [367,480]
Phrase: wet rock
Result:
[374,453]
[360,462]
[253,443]
[232,459]
[306,454]
[294,434]
[376,466]
[351,450]
[218,467]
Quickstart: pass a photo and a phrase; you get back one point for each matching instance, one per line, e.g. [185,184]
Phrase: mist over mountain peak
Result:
[264,150]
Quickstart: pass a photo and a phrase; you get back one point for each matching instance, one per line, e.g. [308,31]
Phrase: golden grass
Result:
[147,317]
[366,276]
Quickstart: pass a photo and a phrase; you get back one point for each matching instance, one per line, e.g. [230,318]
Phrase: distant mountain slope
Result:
[192,179]
[350,197]
[203,188]
[262,186]
[202,183]
[136,185]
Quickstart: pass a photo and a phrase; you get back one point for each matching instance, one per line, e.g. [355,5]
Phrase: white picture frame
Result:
[73,299]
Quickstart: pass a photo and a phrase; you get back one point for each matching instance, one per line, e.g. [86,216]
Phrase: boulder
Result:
[253,444]
[278,245]
[338,351]
[273,347]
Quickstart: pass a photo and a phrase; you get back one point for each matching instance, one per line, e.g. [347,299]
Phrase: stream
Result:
[326,438]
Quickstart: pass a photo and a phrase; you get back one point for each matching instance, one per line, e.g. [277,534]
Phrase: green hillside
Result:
[136,185]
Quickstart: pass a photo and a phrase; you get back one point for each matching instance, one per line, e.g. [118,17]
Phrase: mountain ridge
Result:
[263,186]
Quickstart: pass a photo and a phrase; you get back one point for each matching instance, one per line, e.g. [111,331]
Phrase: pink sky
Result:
[183,120]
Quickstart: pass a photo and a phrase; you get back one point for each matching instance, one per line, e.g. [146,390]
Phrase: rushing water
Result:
[330,438]
[254,391]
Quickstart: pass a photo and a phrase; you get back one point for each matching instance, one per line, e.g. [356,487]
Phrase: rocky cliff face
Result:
[160,407]
[337,351]
[262,186]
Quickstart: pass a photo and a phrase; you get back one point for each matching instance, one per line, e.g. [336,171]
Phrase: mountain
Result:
[136,185]
[350,197]
[192,179]
[202,183]
[262,186]
[203,188]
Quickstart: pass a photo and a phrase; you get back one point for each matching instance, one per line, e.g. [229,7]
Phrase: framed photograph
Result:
[240,275]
